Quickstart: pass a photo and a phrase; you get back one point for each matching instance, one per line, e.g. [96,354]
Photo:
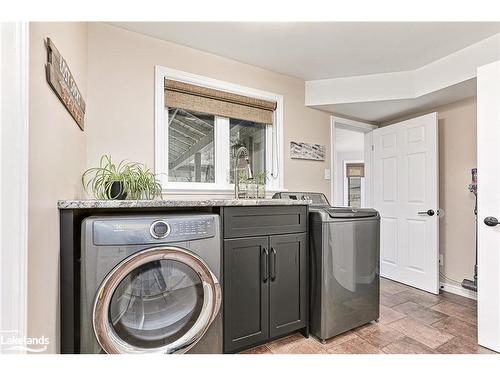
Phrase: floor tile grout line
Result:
[430,326]
[461,318]
[408,337]
[441,296]
[423,308]
[382,347]
[411,288]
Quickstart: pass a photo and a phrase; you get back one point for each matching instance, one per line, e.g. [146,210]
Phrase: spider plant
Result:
[127,179]
[102,180]
[143,183]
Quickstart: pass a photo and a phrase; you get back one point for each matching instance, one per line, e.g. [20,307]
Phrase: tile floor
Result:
[411,322]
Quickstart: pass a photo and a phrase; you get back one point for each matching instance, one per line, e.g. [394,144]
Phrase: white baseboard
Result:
[457,289]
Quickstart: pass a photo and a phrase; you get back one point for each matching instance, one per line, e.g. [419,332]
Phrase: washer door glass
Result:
[156,304]
[159,300]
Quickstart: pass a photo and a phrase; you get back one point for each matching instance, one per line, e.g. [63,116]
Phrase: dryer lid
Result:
[350,213]
[318,199]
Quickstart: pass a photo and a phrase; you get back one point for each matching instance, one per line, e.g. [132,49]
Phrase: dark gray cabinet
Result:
[265,277]
[246,292]
[288,283]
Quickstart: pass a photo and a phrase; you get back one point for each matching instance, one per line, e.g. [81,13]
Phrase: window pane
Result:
[251,135]
[354,190]
[190,146]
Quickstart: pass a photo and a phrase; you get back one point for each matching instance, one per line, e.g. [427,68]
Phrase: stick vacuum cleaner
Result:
[466,283]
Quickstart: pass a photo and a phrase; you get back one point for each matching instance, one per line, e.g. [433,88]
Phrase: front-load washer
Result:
[150,284]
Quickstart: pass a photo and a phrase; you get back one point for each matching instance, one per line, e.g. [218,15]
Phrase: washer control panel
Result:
[192,227]
[157,229]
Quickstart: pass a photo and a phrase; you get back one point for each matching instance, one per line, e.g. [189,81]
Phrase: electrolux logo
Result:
[11,342]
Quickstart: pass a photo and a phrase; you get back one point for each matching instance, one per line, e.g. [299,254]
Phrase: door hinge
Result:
[373,147]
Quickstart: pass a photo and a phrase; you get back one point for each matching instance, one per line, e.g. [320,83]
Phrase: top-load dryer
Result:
[150,284]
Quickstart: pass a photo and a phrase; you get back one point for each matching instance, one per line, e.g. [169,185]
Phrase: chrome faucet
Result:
[242,151]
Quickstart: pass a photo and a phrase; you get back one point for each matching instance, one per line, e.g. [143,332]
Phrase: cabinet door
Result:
[288,283]
[246,292]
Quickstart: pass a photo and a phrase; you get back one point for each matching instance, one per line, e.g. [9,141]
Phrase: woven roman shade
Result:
[355,170]
[220,103]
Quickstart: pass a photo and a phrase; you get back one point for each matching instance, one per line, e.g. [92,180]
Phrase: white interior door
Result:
[488,166]
[405,192]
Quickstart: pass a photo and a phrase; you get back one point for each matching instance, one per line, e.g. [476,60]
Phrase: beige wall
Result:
[57,156]
[121,104]
[457,155]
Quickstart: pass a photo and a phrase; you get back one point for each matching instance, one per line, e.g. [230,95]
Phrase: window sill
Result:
[216,192]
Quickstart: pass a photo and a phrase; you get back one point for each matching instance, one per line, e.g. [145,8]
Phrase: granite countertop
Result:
[90,203]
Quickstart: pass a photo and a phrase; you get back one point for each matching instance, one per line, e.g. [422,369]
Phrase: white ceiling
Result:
[325,49]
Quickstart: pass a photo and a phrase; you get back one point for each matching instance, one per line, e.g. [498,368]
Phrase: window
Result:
[354,192]
[191,145]
[354,184]
[198,124]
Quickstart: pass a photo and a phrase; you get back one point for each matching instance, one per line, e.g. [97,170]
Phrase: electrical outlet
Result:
[441,259]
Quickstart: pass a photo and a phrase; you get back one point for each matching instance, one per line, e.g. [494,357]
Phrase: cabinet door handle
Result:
[273,264]
[264,265]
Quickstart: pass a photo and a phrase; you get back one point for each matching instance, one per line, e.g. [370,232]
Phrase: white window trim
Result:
[274,136]
[346,183]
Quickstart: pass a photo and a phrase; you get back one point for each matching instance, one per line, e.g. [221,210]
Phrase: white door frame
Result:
[14,47]
[354,125]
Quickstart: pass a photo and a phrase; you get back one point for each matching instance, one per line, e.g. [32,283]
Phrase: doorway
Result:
[351,161]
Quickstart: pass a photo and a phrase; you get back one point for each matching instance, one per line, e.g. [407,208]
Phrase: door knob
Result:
[491,221]
[428,212]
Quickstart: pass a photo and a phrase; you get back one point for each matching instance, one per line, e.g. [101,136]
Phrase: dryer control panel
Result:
[134,230]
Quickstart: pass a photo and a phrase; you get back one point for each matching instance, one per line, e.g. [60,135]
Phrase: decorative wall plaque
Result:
[63,83]
[310,151]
